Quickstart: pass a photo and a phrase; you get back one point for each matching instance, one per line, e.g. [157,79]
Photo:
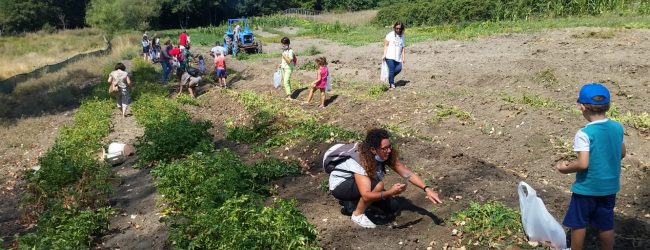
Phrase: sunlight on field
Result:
[351,18]
[25,53]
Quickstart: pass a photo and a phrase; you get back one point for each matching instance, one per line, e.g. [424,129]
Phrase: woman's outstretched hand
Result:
[433,196]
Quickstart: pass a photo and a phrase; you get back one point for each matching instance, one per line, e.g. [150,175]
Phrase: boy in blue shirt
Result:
[600,148]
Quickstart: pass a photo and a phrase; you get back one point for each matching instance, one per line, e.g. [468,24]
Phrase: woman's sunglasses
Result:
[398,28]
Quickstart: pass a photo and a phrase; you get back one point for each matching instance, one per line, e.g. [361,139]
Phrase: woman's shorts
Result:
[145,50]
[220,73]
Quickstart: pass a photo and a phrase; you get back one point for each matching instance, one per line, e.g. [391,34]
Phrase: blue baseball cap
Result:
[593,93]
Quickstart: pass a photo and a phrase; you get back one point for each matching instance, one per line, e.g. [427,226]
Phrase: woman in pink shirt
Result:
[321,81]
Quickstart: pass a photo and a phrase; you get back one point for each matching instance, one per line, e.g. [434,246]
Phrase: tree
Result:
[22,15]
[114,15]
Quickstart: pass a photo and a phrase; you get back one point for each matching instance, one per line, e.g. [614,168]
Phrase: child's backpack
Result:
[193,71]
[337,154]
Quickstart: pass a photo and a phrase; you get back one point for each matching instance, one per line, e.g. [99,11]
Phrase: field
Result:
[476,111]
[23,54]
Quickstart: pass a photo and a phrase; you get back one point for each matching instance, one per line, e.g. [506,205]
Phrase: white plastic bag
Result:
[538,223]
[328,87]
[277,78]
[383,76]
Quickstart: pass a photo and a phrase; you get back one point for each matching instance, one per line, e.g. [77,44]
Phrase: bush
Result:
[172,139]
[63,228]
[243,223]
[74,150]
[492,222]
[143,72]
[71,184]
[217,204]
[460,11]
[312,51]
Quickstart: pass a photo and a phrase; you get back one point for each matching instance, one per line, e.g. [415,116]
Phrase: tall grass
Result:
[64,87]
[459,11]
[22,54]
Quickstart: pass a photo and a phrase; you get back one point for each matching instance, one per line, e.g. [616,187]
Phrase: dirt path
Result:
[135,224]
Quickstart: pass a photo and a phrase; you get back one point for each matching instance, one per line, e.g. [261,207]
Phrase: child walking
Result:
[220,69]
[600,149]
[321,81]
[288,63]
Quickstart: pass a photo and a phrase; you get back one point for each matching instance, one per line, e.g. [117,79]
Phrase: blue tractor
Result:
[244,41]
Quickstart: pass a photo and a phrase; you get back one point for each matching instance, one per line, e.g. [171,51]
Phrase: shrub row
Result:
[217,203]
[459,11]
[72,186]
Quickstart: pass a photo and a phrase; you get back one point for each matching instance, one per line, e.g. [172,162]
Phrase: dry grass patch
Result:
[25,53]
[54,91]
[349,18]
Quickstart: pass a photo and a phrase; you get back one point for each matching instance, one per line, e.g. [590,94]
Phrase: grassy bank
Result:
[22,54]
[58,90]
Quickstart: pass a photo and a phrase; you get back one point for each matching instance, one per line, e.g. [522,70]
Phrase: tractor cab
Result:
[244,40]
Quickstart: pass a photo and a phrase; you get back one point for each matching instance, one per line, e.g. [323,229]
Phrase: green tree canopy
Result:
[114,15]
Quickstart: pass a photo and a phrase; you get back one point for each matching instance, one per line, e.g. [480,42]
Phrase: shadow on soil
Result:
[297,92]
[331,100]
[50,100]
[402,83]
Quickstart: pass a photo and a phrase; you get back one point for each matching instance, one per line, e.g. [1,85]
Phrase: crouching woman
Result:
[357,176]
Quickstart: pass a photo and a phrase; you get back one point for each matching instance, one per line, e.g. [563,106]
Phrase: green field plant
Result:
[443,111]
[63,228]
[489,224]
[309,65]
[534,100]
[547,78]
[275,124]
[169,132]
[312,51]
[638,121]
[71,187]
[217,204]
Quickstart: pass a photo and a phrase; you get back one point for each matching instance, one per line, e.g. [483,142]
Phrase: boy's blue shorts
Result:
[594,211]
[220,73]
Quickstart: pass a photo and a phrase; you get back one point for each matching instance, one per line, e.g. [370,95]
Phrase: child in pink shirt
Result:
[321,81]
[220,69]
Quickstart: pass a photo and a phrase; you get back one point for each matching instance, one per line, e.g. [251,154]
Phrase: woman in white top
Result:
[394,52]
[359,184]
[120,78]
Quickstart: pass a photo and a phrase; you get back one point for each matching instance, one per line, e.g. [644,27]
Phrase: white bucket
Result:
[117,153]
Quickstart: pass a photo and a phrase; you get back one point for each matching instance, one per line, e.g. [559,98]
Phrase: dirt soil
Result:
[135,223]
[477,160]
